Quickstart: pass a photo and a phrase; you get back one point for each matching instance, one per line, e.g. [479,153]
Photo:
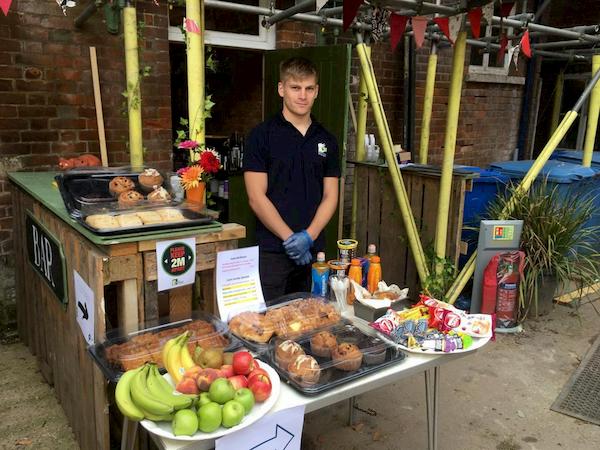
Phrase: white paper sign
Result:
[238,282]
[84,307]
[276,431]
[175,263]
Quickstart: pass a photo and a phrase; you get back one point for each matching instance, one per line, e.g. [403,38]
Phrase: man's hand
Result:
[298,244]
[304,259]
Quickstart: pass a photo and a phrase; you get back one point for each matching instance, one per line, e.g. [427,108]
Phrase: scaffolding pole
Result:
[304,6]
[557,102]
[467,271]
[592,122]
[428,104]
[194,10]
[385,136]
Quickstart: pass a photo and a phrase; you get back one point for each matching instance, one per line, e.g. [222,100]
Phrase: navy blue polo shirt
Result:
[295,166]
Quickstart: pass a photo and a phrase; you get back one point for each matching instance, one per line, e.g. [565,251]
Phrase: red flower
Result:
[209,162]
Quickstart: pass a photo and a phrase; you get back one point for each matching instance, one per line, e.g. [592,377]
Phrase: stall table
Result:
[121,273]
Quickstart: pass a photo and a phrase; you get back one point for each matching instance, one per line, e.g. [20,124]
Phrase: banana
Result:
[144,399]
[158,418]
[164,392]
[123,396]
[186,359]
[166,349]
[174,364]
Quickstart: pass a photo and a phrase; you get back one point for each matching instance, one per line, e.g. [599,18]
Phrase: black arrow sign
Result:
[84,310]
[278,442]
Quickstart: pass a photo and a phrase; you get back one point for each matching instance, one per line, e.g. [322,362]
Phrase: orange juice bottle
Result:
[374,276]
[354,273]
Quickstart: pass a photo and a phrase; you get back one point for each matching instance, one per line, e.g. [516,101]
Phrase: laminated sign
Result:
[175,263]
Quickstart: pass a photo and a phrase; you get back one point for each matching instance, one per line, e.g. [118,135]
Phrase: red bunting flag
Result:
[397,27]
[525,44]
[475,20]
[506,8]
[4,5]
[442,23]
[350,12]
[419,24]
[190,26]
[503,45]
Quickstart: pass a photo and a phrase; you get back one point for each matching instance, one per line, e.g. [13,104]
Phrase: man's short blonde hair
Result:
[297,68]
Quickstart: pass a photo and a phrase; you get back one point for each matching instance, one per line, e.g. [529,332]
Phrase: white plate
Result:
[477,343]
[163,429]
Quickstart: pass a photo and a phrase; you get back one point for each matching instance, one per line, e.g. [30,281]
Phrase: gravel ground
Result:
[497,398]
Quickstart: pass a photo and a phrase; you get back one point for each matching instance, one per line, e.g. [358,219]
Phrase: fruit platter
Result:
[435,327]
[194,403]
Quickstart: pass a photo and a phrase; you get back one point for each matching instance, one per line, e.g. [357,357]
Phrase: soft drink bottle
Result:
[320,276]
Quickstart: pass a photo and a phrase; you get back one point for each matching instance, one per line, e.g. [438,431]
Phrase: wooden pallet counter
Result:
[121,273]
[379,221]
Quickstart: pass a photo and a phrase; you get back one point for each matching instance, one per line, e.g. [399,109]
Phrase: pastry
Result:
[128,199]
[346,357]
[118,185]
[102,221]
[159,195]
[149,217]
[374,351]
[150,179]
[322,343]
[129,220]
[286,352]
[304,370]
[171,215]
[252,326]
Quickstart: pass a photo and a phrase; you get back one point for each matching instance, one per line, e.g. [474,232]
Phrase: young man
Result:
[291,172]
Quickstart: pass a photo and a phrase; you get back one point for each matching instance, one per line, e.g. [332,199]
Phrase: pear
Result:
[212,357]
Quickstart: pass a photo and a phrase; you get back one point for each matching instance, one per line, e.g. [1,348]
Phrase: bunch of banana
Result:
[176,357]
[144,393]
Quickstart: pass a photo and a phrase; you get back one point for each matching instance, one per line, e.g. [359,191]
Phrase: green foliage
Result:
[553,239]
[442,273]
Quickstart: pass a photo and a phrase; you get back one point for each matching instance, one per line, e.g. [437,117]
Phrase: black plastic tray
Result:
[113,372]
[282,301]
[332,377]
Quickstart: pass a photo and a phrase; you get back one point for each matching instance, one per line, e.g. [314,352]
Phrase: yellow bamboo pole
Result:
[361,129]
[134,95]
[454,95]
[592,121]
[558,94]
[385,137]
[194,10]
[428,105]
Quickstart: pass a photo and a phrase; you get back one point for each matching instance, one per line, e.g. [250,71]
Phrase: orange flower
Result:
[191,177]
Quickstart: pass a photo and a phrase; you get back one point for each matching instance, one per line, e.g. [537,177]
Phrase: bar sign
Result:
[46,256]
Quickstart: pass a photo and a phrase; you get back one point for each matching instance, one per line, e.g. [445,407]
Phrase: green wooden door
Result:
[330,108]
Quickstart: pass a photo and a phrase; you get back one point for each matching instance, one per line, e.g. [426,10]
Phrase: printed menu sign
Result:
[46,256]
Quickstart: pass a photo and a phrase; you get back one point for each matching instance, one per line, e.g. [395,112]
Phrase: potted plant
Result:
[203,164]
[559,248]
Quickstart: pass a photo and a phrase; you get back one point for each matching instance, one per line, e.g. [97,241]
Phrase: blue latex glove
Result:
[304,259]
[298,244]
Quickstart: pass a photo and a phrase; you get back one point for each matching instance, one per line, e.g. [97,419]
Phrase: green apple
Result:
[204,399]
[233,413]
[221,391]
[185,423]
[209,417]
[246,398]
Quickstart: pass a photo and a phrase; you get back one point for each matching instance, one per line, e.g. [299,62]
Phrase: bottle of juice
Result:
[371,251]
[374,276]
[355,274]
[320,276]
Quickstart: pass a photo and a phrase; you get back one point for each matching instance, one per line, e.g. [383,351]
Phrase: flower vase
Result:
[196,194]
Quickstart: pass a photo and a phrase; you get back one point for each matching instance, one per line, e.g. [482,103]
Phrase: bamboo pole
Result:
[558,93]
[454,95]
[194,10]
[134,95]
[98,104]
[386,143]
[592,123]
[428,105]
[361,127]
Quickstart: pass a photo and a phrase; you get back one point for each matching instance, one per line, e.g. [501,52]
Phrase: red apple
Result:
[243,363]
[260,385]
[227,371]
[239,381]
[206,377]
[257,371]
[187,386]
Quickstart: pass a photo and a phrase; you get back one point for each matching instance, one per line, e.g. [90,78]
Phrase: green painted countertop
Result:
[41,186]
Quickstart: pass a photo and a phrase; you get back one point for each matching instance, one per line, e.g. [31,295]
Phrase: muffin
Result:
[102,221]
[346,357]
[159,195]
[150,179]
[374,351]
[286,352]
[322,343]
[304,370]
[128,199]
[118,185]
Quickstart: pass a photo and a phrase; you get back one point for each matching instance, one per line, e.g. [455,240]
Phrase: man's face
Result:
[298,94]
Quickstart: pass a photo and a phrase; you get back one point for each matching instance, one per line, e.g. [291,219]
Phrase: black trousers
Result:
[279,275]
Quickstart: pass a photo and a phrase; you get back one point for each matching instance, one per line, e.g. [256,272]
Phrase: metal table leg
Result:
[431,404]
[351,402]
[128,434]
